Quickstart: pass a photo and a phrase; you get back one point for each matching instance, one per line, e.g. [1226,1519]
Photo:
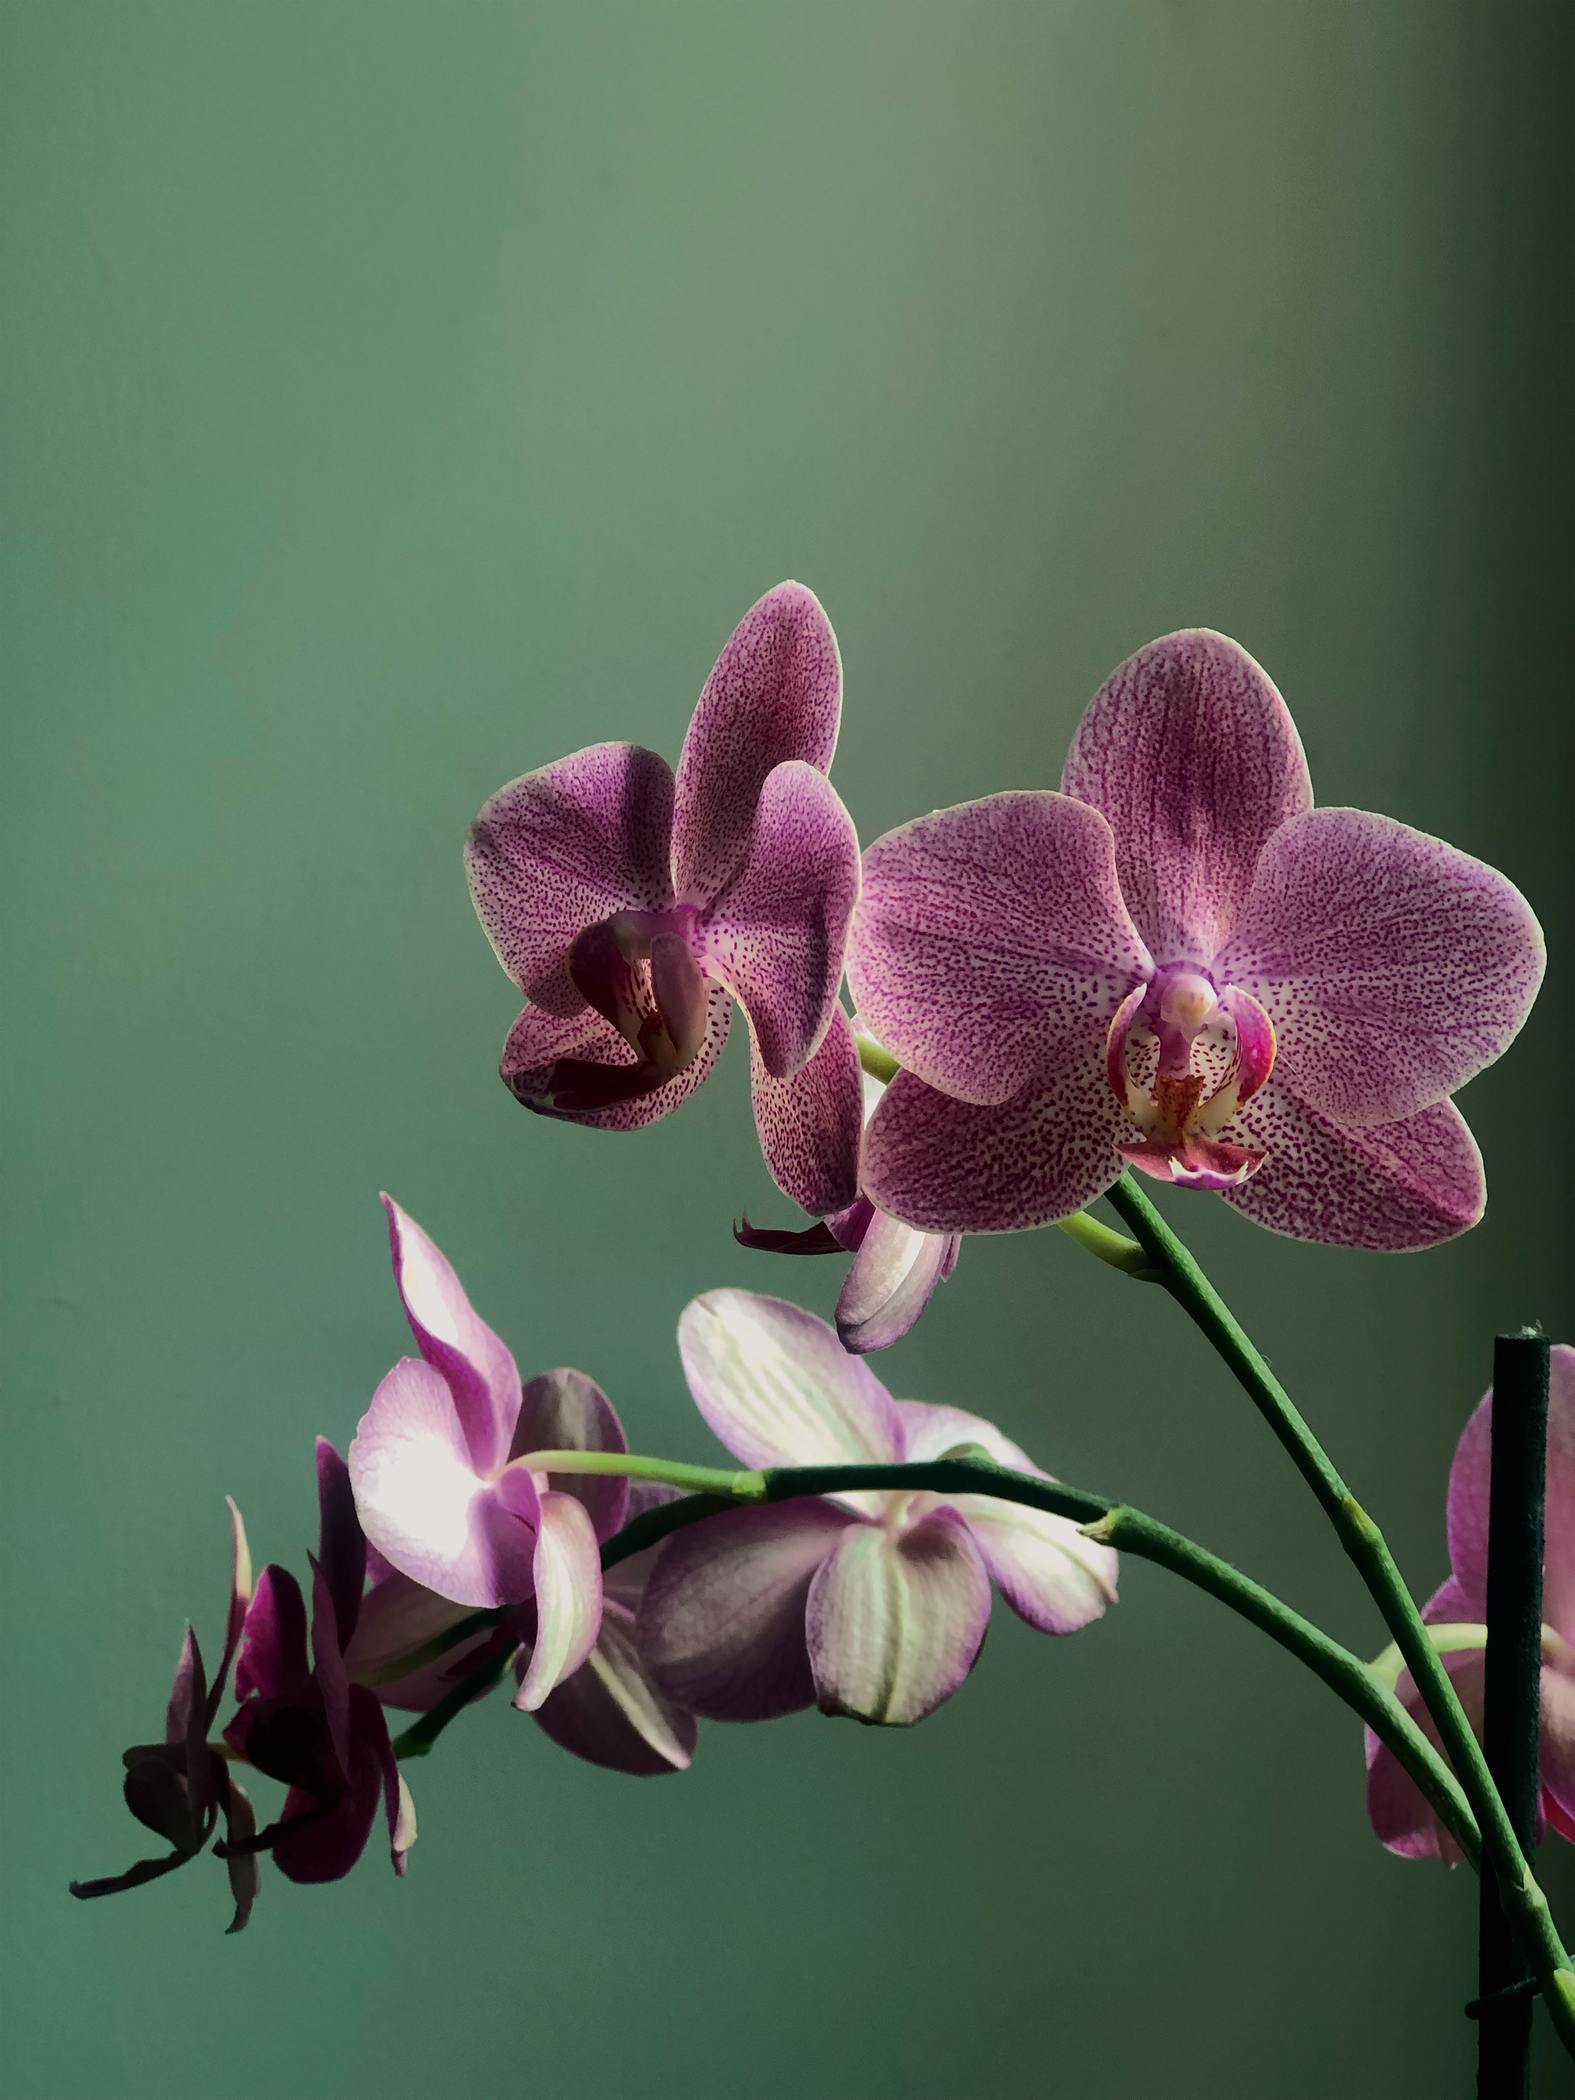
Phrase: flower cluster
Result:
[1174,963]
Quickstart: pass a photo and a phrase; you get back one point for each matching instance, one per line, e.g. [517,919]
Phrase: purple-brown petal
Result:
[809,1124]
[583,1071]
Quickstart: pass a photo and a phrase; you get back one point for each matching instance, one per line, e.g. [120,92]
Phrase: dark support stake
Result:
[1512,1695]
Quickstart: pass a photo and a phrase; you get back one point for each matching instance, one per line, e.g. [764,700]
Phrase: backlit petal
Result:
[991,943]
[564,847]
[775,693]
[452,1336]
[612,1713]
[1393,967]
[895,1623]
[567,1579]
[1192,755]
[809,1124]
[566,1411]
[777,1386]
[889,1283]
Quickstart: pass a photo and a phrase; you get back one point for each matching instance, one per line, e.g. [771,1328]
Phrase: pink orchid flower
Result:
[632,909]
[869,1604]
[610,1712]
[1178,964]
[895,1268]
[301,1720]
[438,1480]
[1458,1608]
[179,1788]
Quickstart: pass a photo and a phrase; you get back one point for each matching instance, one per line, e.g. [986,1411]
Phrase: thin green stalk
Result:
[1523,1900]
[1112,1523]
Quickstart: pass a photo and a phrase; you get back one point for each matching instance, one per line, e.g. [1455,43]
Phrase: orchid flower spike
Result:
[610,1712]
[1458,1609]
[872,1604]
[632,908]
[301,1720]
[439,1479]
[179,1788]
[895,1267]
[1178,964]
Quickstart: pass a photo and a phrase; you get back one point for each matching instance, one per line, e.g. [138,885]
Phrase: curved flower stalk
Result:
[302,1721]
[870,1603]
[609,1712]
[438,1480]
[632,908]
[895,1268]
[1178,963]
[181,1787]
[1457,1612]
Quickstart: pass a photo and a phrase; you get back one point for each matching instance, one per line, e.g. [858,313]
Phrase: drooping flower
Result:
[894,1270]
[609,1712]
[301,1720]
[632,908]
[1179,964]
[871,1604]
[438,1482]
[181,1787]
[1458,1608]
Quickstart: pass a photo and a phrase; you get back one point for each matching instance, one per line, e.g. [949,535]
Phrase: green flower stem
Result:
[1523,1900]
[1111,1523]
[626,1465]
[879,1063]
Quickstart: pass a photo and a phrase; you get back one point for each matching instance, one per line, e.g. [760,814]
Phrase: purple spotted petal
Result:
[1388,1187]
[341,1547]
[721,1626]
[1468,1502]
[991,944]
[889,1282]
[566,1411]
[809,1125]
[895,1622]
[567,1583]
[563,848]
[1393,967]
[778,932]
[951,1166]
[1192,755]
[774,694]
[452,1336]
[1048,1572]
[426,1508]
[273,1661]
[778,1388]
[611,1712]
[584,1071]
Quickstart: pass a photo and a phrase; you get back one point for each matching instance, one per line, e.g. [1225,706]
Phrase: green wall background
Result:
[402,395]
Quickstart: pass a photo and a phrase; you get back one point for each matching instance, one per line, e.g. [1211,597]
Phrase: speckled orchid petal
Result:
[809,1124]
[1468,1502]
[778,1388]
[721,1625]
[425,1506]
[1051,1575]
[611,1711]
[563,848]
[451,1335]
[992,945]
[775,693]
[567,1583]
[1394,967]
[778,932]
[1388,1187]
[1190,752]
[952,1166]
[583,1071]
[564,1410]
[890,1281]
[895,1621]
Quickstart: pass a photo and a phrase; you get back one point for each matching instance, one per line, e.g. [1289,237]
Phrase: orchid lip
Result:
[1182,1058]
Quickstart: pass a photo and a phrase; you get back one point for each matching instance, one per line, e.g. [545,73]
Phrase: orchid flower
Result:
[894,1270]
[180,1787]
[872,1604]
[632,908]
[609,1712]
[438,1479]
[302,1721]
[1458,1610]
[1178,964]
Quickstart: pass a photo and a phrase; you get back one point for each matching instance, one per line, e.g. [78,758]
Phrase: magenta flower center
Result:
[1182,1057]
